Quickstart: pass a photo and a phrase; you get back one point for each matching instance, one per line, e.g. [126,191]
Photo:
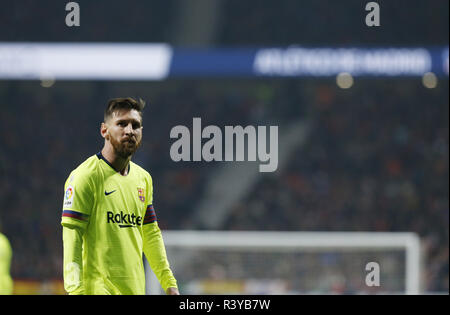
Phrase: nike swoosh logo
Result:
[109,193]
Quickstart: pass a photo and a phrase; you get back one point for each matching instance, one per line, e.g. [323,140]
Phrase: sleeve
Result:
[78,201]
[6,283]
[73,262]
[154,248]
[77,207]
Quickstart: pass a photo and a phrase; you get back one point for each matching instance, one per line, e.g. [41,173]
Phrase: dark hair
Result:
[123,103]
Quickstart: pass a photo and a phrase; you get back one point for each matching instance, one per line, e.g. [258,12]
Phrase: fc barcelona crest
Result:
[141,194]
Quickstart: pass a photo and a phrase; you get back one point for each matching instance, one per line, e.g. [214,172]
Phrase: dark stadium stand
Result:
[377,158]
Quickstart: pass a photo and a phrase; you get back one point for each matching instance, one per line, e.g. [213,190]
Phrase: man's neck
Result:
[120,164]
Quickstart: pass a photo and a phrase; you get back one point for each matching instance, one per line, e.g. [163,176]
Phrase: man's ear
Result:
[104,131]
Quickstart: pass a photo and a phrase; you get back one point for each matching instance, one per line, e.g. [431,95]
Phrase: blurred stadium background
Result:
[369,153]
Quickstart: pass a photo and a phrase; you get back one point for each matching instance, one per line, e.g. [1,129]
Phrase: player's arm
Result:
[74,224]
[78,201]
[6,283]
[73,262]
[155,252]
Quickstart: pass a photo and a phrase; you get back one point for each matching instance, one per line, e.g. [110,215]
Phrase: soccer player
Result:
[6,283]
[108,217]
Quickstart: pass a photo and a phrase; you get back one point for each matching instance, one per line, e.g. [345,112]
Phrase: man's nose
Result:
[129,129]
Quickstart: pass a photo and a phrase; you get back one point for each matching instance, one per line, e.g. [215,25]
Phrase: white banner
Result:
[85,61]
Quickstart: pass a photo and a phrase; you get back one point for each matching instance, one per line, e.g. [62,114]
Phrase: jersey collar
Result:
[101,157]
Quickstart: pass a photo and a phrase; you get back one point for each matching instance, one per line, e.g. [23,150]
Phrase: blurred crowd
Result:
[283,22]
[102,20]
[278,271]
[312,22]
[376,159]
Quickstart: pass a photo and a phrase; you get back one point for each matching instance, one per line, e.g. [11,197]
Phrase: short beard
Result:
[123,150]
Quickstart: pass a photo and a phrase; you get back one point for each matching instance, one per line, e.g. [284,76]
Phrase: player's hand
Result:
[172,291]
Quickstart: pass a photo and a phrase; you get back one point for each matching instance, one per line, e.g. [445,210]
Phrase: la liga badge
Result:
[68,196]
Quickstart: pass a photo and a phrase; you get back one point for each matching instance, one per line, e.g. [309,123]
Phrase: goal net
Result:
[231,262]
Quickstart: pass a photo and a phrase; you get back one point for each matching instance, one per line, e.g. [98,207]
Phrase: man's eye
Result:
[136,126]
[122,124]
